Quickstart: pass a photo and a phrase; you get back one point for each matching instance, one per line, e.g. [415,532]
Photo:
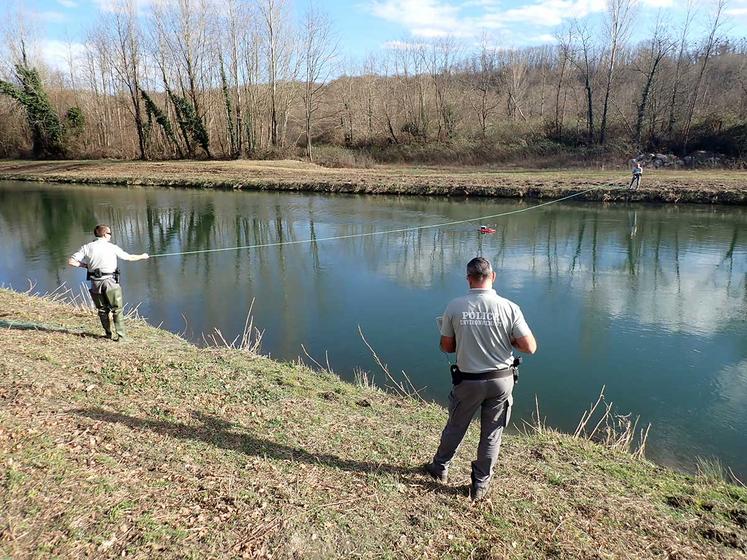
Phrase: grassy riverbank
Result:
[156,448]
[716,186]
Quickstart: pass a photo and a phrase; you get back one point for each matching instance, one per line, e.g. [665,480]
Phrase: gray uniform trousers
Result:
[493,397]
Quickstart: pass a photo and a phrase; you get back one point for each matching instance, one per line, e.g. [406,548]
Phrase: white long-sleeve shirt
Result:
[102,254]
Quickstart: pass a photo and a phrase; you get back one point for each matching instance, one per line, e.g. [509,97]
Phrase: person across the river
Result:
[482,328]
[637,172]
[99,258]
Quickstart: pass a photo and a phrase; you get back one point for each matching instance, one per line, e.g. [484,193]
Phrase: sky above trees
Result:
[369,26]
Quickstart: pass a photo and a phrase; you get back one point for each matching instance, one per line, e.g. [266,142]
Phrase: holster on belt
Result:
[456,375]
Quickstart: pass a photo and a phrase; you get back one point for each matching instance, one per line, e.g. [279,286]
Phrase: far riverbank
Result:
[668,186]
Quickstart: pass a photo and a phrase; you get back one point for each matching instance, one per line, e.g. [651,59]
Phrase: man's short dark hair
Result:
[101,230]
[479,268]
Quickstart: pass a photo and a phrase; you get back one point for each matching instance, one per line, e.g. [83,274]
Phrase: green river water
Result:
[648,301]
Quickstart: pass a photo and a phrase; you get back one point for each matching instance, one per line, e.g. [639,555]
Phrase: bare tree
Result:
[540,60]
[279,55]
[236,21]
[439,61]
[689,15]
[19,36]
[563,57]
[126,40]
[251,46]
[370,81]
[619,13]
[482,75]
[515,76]
[410,73]
[348,91]
[319,47]
[706,51]
[391,98]
[182,32]
[585,59]
[659,46]
[160,53]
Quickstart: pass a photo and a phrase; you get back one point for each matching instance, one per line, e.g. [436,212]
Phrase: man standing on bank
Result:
[100,259]
[637,172]
[482,328]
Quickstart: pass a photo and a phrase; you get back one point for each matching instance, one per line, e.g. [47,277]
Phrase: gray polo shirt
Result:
[484,324]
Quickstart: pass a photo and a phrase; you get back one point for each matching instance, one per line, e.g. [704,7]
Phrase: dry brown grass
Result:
[156,448]
[658,185]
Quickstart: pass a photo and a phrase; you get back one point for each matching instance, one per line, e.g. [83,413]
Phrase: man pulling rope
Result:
[99,258]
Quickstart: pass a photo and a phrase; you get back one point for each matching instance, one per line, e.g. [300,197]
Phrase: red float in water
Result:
[486,229]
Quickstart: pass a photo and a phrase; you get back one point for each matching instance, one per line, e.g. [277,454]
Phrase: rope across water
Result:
[372,233]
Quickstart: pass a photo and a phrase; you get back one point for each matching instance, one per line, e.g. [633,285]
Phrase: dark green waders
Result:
[110,299]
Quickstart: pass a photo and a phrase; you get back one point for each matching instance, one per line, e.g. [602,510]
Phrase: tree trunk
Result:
[589,111]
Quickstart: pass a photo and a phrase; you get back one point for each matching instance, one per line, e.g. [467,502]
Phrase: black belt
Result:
[457,376]
[96,274]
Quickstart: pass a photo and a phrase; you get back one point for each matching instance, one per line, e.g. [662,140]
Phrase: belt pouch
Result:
[456,375]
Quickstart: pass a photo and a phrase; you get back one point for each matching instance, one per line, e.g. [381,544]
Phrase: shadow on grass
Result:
[233,437]
[21,326]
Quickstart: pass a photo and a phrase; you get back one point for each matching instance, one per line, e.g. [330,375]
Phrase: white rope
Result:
[370,234]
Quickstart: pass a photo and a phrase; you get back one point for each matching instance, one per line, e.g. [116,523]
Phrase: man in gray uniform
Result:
[100,259]
[482,328]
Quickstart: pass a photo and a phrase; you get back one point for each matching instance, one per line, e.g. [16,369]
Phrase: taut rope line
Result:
[372,233]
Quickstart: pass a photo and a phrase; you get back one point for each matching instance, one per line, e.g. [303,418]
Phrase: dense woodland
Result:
[254,78]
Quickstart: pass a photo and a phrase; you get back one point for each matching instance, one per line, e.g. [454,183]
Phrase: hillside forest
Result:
[266,79]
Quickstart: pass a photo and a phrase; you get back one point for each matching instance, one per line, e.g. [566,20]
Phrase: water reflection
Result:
[654,274]
[648,300]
